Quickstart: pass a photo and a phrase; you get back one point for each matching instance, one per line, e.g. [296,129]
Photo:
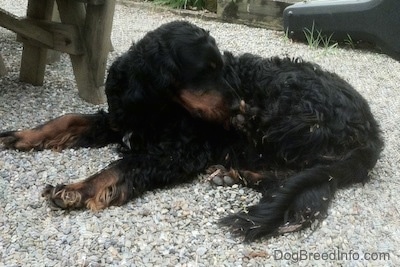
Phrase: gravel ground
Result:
[177,227]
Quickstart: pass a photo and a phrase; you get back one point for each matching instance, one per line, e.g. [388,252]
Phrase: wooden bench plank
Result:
[66,38]
[13,23]
[53,35]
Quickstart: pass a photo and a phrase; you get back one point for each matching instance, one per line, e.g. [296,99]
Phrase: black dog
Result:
[179,108]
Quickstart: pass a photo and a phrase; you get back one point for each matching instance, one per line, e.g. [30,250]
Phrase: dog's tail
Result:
[304,197]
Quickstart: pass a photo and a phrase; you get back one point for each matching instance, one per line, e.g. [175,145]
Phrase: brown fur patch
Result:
[209,105]
[57,134]
[96,192]
[105,190]
[251,177]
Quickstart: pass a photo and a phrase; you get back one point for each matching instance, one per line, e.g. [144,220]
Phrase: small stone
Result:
[164,211]
[201,251]
[66,230]
[128,243]
[113,251]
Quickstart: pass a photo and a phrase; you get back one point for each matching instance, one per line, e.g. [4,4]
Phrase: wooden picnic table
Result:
[83,31]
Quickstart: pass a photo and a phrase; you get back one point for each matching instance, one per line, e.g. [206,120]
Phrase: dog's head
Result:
[178,62]
[192,66]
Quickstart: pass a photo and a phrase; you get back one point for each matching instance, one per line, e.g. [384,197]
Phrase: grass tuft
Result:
[316,39]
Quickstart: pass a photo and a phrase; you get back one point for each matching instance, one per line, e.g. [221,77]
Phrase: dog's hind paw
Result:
[223,181]
[218,175]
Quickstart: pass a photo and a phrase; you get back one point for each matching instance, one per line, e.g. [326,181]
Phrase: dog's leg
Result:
[99,191]
[130,177]
[71,130]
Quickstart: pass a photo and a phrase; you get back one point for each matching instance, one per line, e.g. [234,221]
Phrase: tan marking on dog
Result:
[209,105]
[56,134]
[251,177]
[104,190]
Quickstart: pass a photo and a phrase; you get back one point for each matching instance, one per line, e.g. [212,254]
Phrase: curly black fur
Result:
[178,106]
[304,119]
[299,119]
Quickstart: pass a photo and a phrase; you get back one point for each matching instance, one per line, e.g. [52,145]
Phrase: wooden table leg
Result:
[98,28]
[95,23]
[33,60]
[3,70]
[53,55]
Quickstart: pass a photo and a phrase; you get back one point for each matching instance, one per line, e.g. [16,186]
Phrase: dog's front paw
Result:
[62,198]
[24,140]
[9,139]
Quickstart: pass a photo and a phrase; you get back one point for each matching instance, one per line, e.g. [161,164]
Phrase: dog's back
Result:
[308,122]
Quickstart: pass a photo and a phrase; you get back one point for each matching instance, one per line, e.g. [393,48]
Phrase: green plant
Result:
[312,40]
[328,43]
[286,36]
[349,42]
[315,38]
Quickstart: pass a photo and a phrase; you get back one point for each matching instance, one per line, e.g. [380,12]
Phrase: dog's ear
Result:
[155,60]
[166,67]
[117,77]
